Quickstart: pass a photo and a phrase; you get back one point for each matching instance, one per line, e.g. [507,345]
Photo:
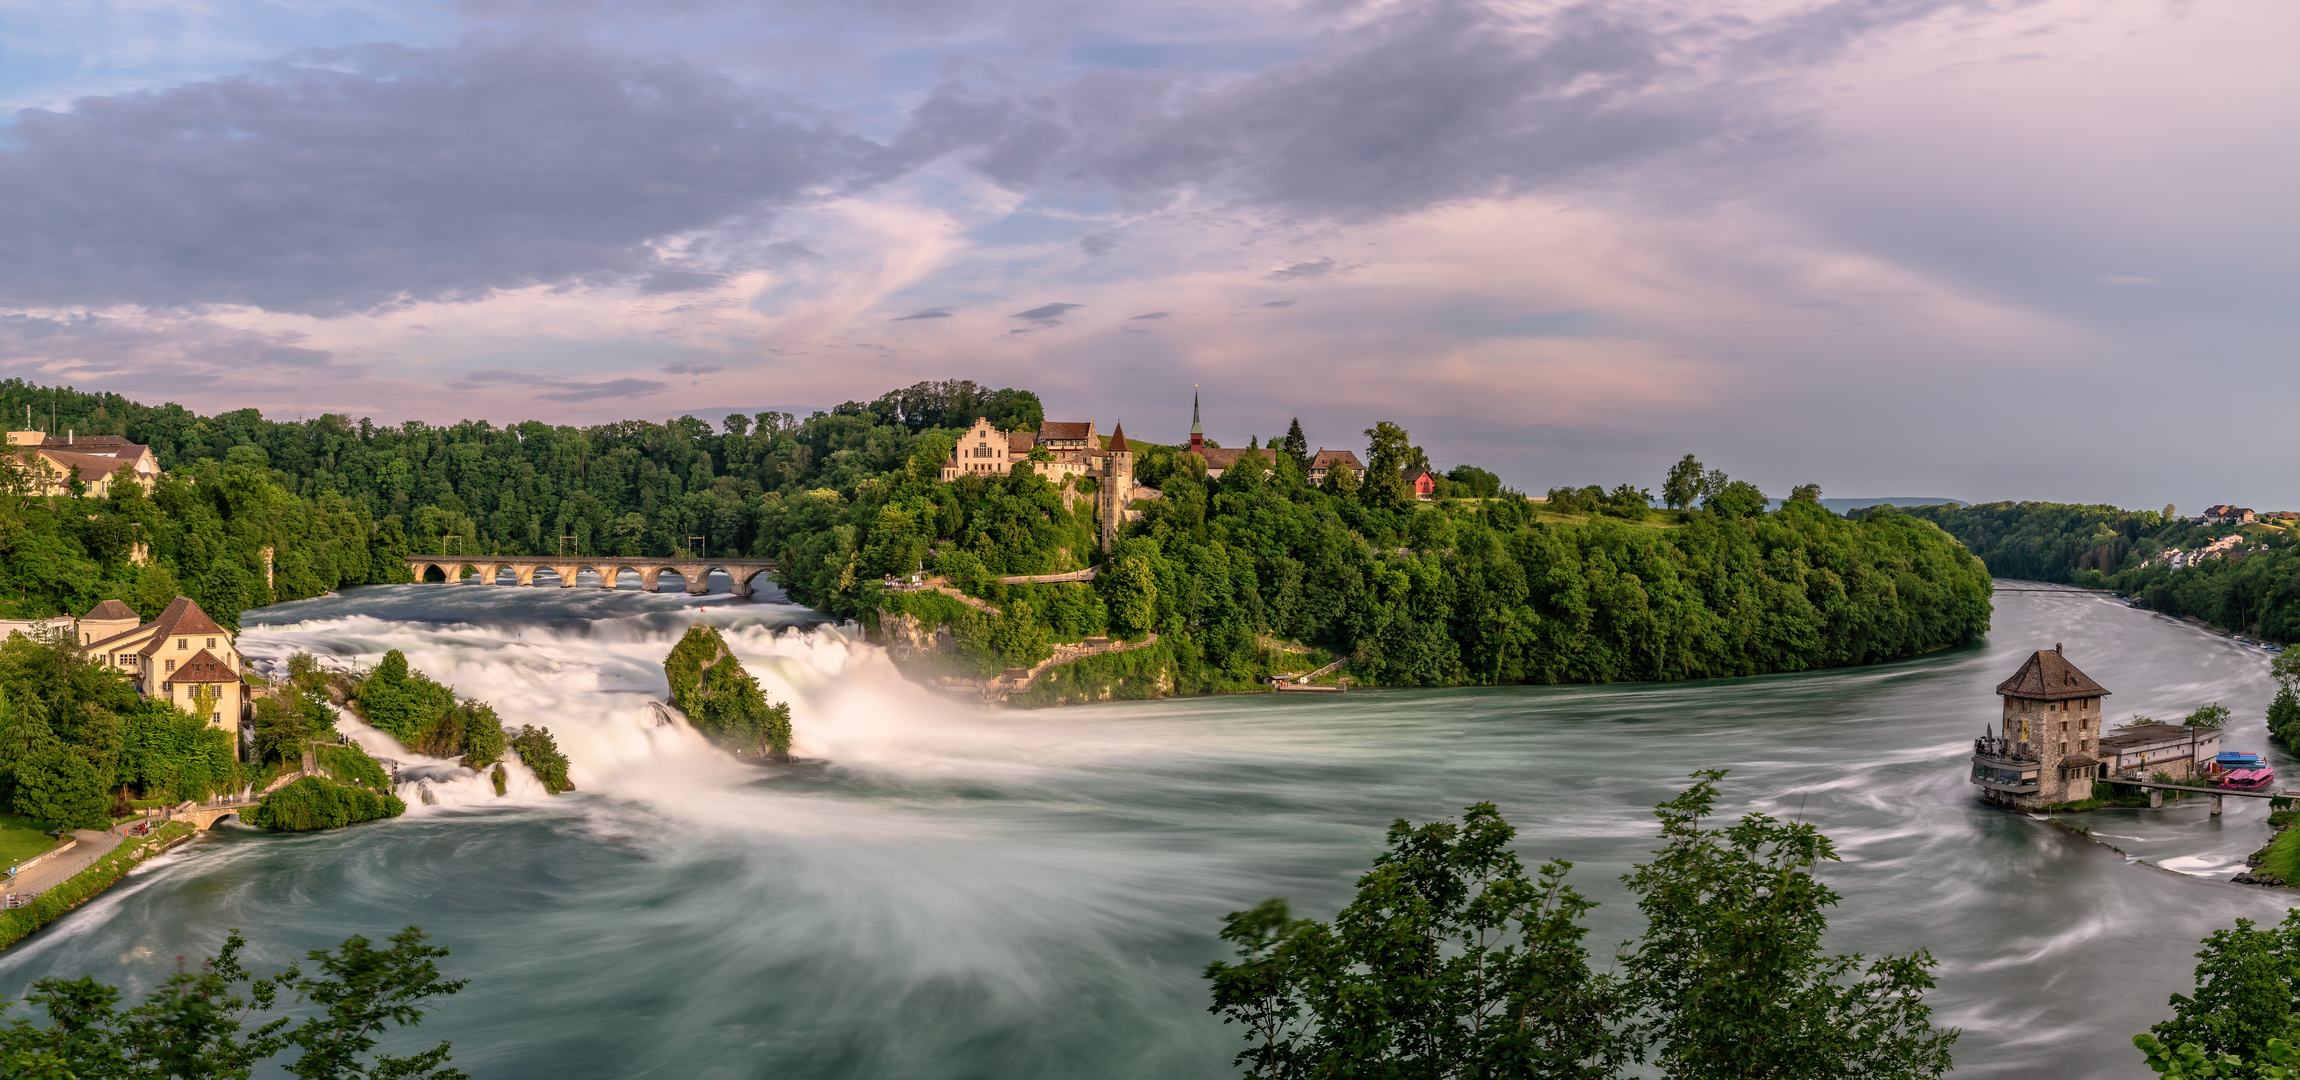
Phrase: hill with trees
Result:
[1238,575]
[2252,589]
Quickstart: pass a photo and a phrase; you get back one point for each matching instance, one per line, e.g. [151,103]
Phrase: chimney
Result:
[2056,646]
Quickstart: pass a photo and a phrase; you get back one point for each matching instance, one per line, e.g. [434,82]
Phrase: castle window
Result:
[183,643]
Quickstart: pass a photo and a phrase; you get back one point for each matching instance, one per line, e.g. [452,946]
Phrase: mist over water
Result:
[943,891]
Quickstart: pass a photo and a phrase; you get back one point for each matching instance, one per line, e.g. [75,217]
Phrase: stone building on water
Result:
[2044,751]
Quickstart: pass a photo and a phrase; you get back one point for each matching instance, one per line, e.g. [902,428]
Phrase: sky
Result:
[2031,249]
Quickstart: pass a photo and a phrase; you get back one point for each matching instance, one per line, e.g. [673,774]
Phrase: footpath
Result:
[88,846]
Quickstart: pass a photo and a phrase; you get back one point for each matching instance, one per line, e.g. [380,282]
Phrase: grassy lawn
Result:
[21,838]
[1655,519]
[2283,856]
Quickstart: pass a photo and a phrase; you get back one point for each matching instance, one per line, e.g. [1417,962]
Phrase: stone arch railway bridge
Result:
[695,572]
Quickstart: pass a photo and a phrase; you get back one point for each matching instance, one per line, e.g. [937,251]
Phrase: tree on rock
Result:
[723,700]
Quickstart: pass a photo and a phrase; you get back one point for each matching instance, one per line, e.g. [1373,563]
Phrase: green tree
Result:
[155,588]
[723,700]
[1296,447]
[2210,715]
[1730,973]
[213,1022]
[2284,716]
[282,729]
[1683,487]
[1450,962]
[1806,493]
[1130,591]
[540,753]
[62,788]
[1388,454]
[2246,983]
[1736,498]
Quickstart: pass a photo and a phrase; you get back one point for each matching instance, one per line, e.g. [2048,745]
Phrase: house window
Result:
[183,643]
[167,688]
[171,666]
[211,643]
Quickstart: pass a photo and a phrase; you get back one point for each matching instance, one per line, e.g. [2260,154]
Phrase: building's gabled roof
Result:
[2048,676]
[1117,444]
[1327,459]
[90,467]
[182,617]
[203,667]
[88,441]
[2146,735]
[1218,458]
[2079,761]
[1020,442]
[109,611]
[1064,429]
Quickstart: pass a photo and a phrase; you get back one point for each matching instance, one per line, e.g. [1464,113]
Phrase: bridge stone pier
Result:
[695,572]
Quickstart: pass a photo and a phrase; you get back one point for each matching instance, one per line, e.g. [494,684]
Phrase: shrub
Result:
[317,803]
[540,753]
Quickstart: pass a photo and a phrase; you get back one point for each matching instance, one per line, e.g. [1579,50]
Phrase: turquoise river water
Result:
[948,891]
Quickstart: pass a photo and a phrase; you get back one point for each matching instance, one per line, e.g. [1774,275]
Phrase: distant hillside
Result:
[1839,506]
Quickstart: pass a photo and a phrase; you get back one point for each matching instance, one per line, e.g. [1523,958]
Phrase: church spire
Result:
[1197,430]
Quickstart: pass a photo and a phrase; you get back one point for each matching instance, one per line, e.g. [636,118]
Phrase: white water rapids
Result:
[940,890]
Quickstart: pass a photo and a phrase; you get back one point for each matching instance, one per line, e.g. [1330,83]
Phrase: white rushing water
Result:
[944,890]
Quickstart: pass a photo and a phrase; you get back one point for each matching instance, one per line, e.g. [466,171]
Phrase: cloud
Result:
[1304,271]
[1097,244]
[561,389]
[358,179]
[930,313]
[672,281]
[1417,105]
[689,367]
[1280,304]
[1046,314]
[2122,279]
[1154,315]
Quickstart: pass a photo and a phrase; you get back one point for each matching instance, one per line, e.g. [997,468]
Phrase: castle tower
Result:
[1197,430]
[1117,485]
[2044,750]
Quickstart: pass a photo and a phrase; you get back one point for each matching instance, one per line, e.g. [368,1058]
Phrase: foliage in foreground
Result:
[723,700]
[2241,1020]
[198,1023]
[1453,962]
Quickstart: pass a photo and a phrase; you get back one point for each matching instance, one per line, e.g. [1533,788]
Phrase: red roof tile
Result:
[203,667]
[2048,676]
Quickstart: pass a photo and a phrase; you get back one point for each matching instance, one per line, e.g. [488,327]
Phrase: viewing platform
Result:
[610,570]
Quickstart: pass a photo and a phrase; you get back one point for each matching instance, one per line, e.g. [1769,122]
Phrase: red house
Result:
[1424,482]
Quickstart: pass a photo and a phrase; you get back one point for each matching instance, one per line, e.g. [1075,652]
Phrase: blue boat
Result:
[2236,759]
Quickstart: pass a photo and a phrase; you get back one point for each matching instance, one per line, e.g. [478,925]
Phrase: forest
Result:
[338,502]
[1420,594]
[1236,574]
[2254,590]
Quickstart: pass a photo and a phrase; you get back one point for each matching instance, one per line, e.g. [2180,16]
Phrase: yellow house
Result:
[49,463]
[182,657]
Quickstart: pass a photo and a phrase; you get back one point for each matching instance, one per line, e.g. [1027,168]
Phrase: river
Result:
[948,891]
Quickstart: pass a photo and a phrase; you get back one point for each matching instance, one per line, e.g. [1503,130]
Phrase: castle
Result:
[182,657]
[1062,452]
[2049,748]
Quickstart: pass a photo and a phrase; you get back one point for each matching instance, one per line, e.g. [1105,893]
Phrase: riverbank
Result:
[110,855]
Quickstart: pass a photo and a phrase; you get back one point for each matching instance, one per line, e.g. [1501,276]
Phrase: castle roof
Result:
[109,611]
[1065,429]
[1117,443]
[203,667]
[1020,442]
[2048,676]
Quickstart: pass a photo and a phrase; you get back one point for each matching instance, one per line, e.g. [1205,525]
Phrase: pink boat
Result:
[2249,779]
